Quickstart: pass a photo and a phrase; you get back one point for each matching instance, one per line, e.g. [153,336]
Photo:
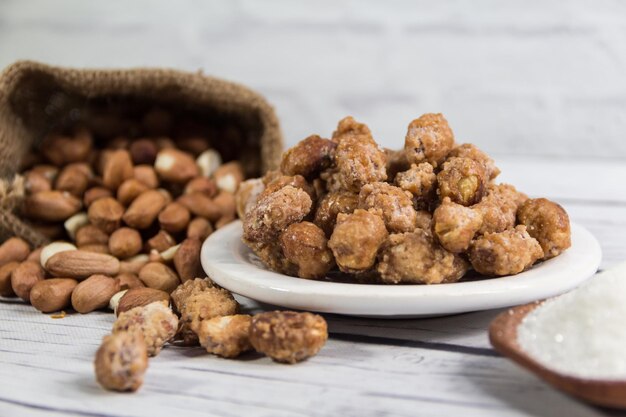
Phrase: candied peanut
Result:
[415,258]
[156,322]
[121,361]
[206,304]
[274,212]
[272,256]
[287,336]
[547,222]
[505,253]
[428,138]
[188,288]
[331,205]
[280,181]
[308,157]
[498,208]
[359,161]
[455,225]
[305,245]
[356,240]
[421,181]
[226,336]
[471,151]
[395,203]
[463,180]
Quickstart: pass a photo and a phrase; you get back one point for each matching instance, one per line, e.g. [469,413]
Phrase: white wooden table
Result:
[441,367]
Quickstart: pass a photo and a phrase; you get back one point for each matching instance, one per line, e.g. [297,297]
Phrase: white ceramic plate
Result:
[232,265]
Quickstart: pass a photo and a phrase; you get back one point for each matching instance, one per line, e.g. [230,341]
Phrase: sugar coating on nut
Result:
[547,222]
[306,246]
[504,253]
[226,336]
[331,205]
[471,151]
[421,181]
[358,159]
[395,203]
[271,254]
[287,336]
[415,258]
[463,180]
[274,212]
[212,302]
[308,157]
[156,322]
[356,240]
[280,181]
[428,138]
[121,361]
[498,208]
[188,288]
[455,225]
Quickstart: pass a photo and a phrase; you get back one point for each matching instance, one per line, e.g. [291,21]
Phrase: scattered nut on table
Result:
[121,361]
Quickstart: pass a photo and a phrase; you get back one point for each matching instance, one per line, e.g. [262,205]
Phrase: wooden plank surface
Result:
[436,366]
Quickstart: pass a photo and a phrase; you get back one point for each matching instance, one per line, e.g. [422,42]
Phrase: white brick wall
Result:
[517,77]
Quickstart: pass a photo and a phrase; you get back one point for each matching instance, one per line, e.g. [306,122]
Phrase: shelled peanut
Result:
[133,213]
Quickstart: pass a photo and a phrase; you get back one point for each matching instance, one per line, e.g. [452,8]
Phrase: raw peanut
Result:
[187,260]
[175,166]
[143,151]
[125,242]
[24,277]
[201,205]
[229,176]
[226,203]
[147,175]
[160,242]
[139,297]
[93,293]
[35,255]
[52,249]
[61,150]
[35,182]
[52,206]
[95,248]
[13,249]
[115,300]
[174,217]
[224,220]
[159,276]
[168,254]
[129,190]
[74,223]
[48,171]
[117,168]
[52,294]
[202,185]
[106,214]
[90,234]
[199,228]
[94,194]
[208,161]
[72,179]
[6,290]
[144,209]
[129,281]
[133,265]
[166,194]
[101,159]
[80,264]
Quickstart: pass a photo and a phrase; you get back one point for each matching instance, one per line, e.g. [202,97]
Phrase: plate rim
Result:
[228,270]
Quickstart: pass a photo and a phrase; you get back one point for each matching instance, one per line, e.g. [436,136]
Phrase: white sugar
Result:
[582,333]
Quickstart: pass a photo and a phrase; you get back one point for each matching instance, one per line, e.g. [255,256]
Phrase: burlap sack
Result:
[36,99]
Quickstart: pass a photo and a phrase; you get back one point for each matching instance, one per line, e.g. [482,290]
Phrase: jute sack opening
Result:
[36,99]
